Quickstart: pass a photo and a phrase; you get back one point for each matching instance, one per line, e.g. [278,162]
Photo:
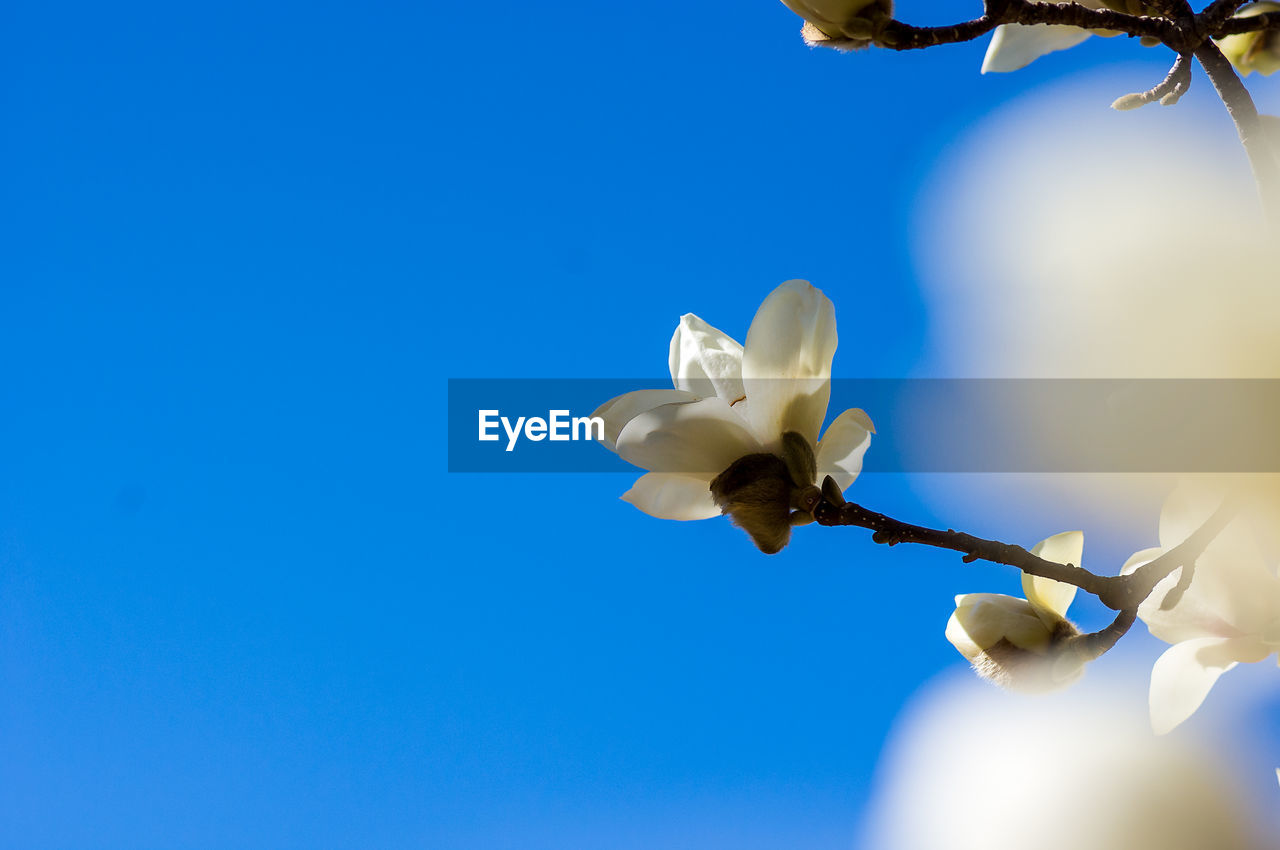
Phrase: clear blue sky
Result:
[242,604]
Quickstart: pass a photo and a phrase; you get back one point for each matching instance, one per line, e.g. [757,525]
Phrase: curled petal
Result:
[1015,46]
[1140,558]
[705,361]
[699,438]
[841,448]
[668,495]
[981,620]
[617,412]
[786,363]
[1183,676]
[1052,598]
[831,18]
[1007,643]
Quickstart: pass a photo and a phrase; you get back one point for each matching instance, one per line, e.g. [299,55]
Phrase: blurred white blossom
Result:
[1022,644]
[732,402]
[1229,614]
[971,769]
[1254,51]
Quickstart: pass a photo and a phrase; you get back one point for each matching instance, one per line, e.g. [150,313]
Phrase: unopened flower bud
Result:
[1023,644]
[1129,101]
[843,24]
[1008,643]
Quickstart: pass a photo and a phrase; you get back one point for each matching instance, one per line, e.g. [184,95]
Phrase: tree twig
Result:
[1253,23]
[1168,91]
[891,532]
[1119,593]
[1243,111]
[896,35]
[1217,12]
[1094,645]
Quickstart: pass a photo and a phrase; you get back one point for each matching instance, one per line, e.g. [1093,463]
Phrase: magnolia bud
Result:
[1024,644]
[1129,101]
[843,24]
[1007,642]
[1254,51]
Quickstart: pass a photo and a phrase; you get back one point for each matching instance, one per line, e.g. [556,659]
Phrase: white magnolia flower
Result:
[968,769]
[1254,51]
[1230,613]
[742,420]
[840,23]
[1015,46]
[1022,644]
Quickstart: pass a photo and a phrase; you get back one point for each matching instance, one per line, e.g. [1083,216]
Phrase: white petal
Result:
[1233,578]
[786,364]
[841,448]
[1191,619]
[1232,592]
[1046,595]
[617,412]
[1196,615]
[982,619]
[961,640]
[698,437]
[1182,677]
[831,13]
[1140,558]
[669,495]
[1015,46]
[1187,508]
[705,361]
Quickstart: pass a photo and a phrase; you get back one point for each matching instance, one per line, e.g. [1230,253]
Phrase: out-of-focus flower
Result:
[970,769]
[1229,614]
[1023,644]
[1015,46]
[1254,51]
[843,24]
[739,432]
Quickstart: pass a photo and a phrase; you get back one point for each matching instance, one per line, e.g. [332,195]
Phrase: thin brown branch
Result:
[1174,596]
[1213,15]
[1094,645]
[891,532]
[1243,111]
[1253,23]
[1169,91]
[1176,25]
[896,35]
[1119,593]
[1144,579]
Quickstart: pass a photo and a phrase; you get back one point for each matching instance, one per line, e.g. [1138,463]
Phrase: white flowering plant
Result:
[740,431]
